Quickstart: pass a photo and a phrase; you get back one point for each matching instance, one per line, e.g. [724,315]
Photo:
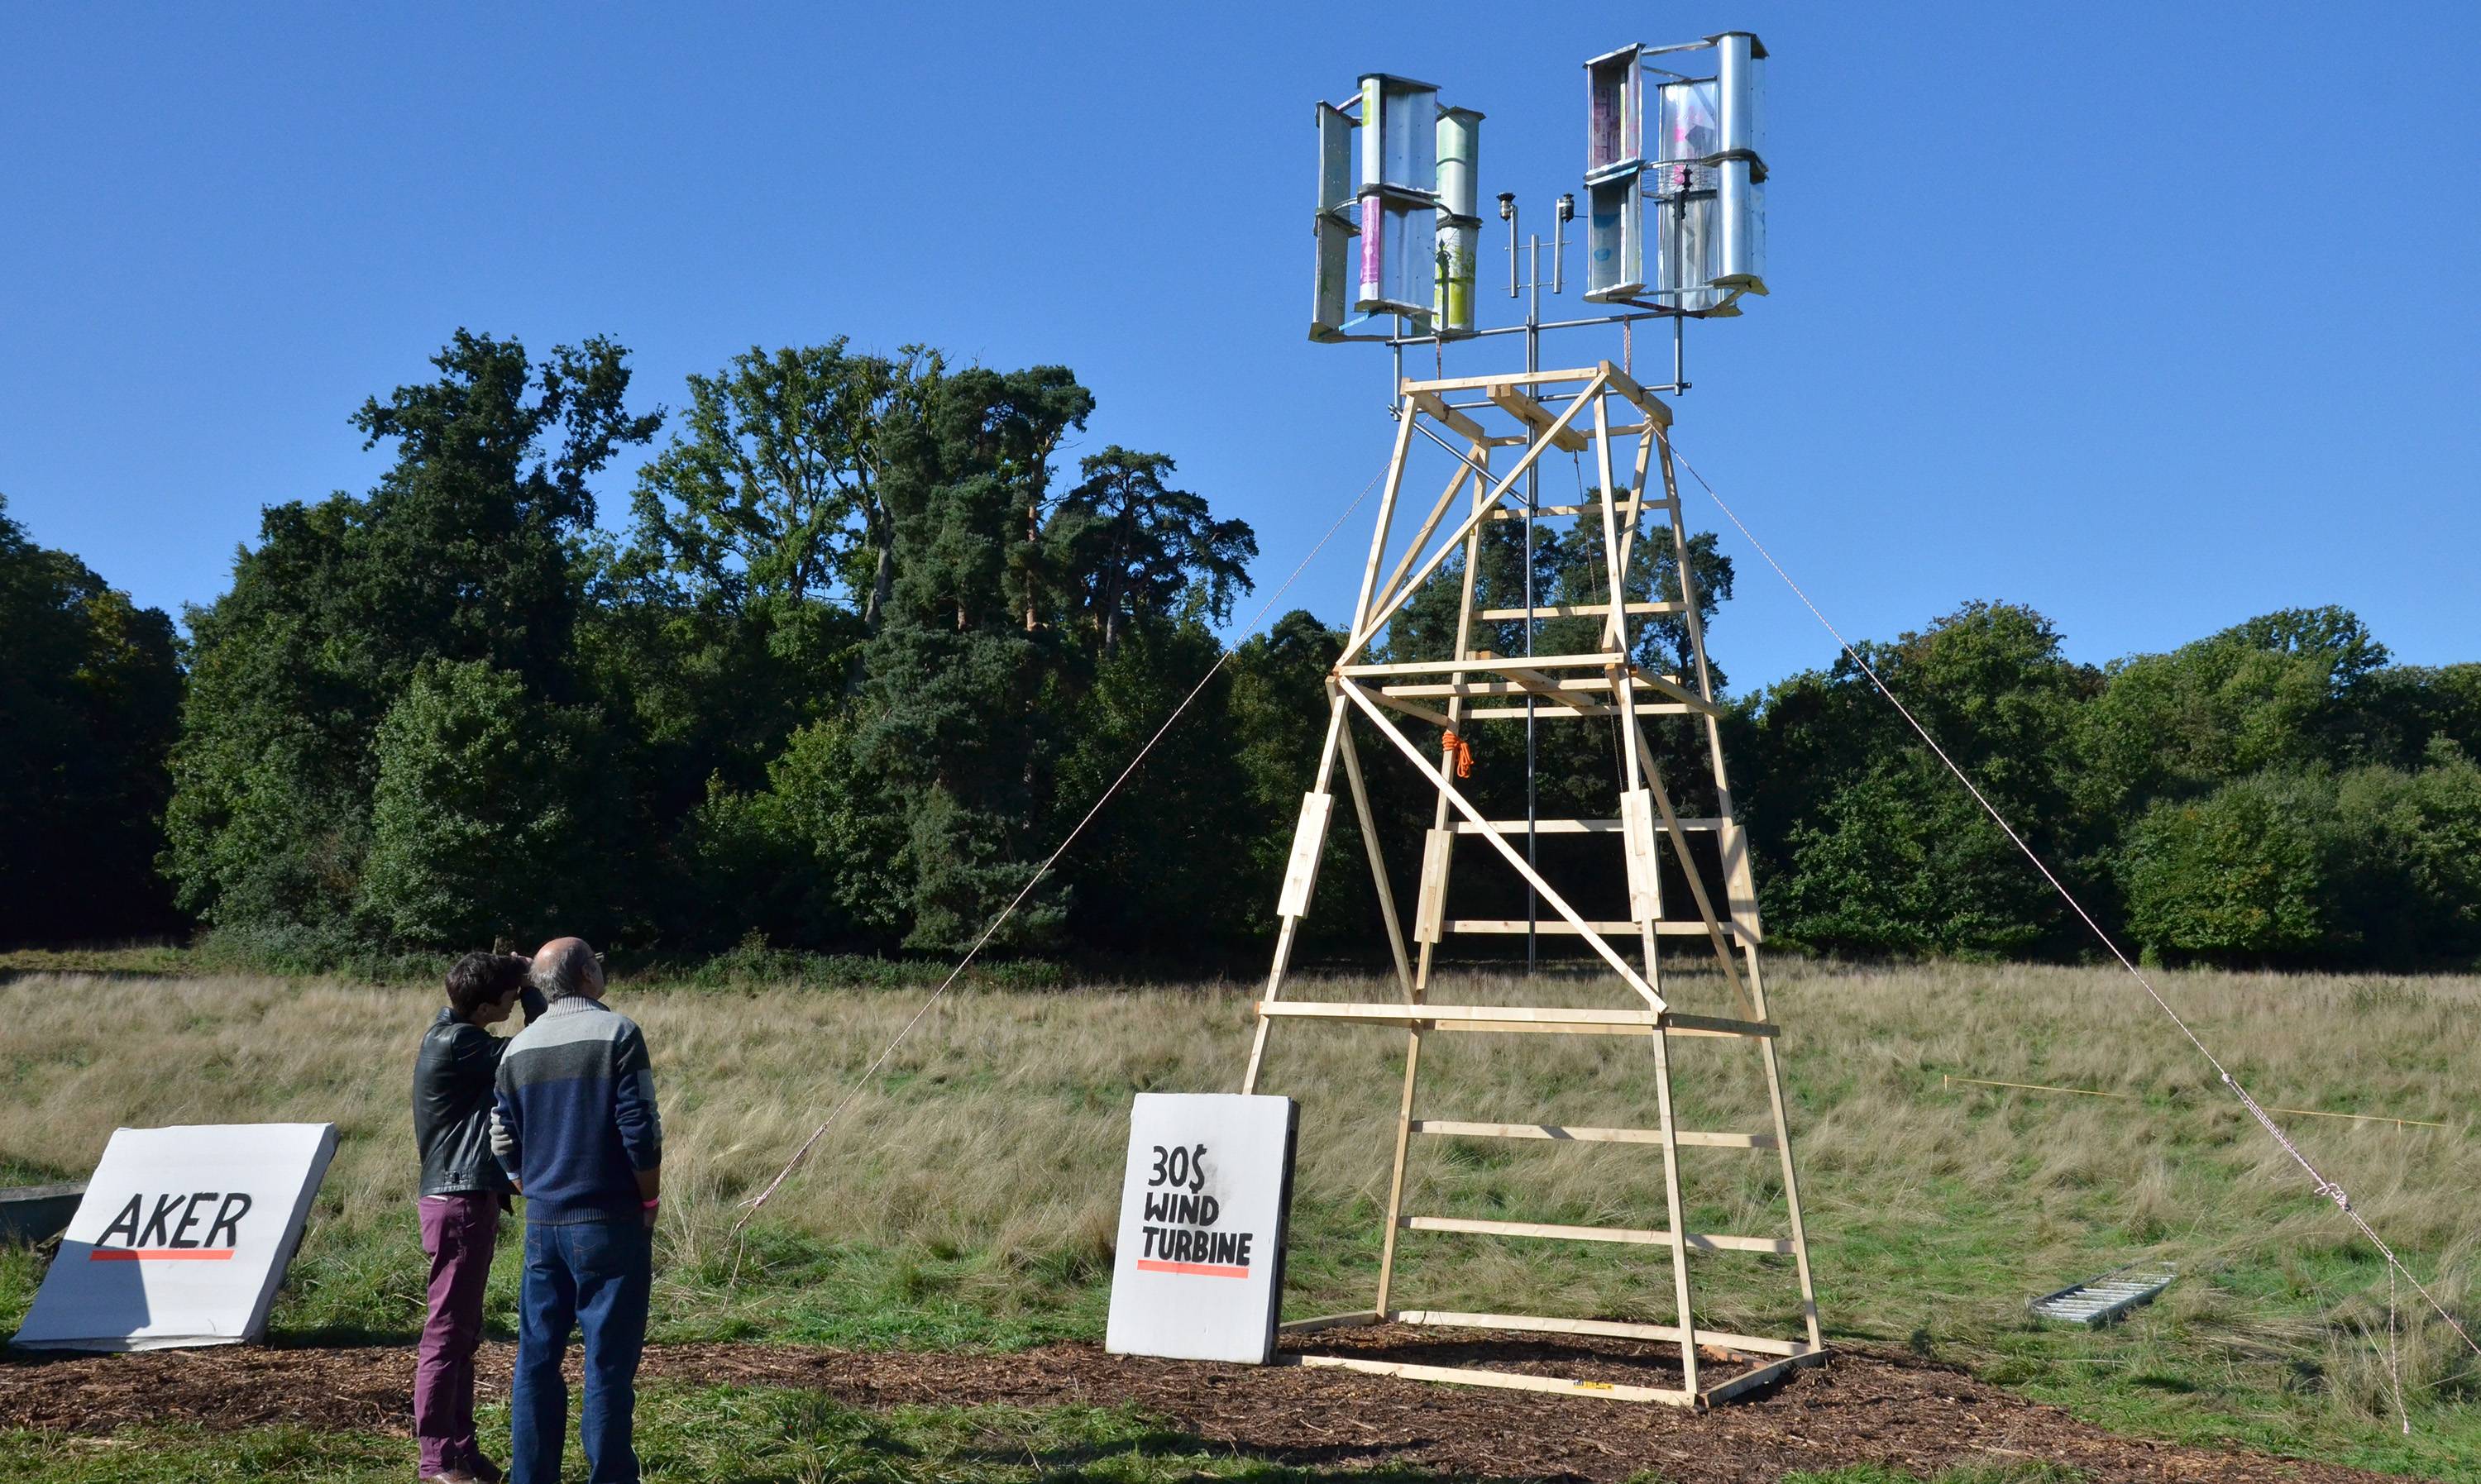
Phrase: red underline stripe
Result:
[160,1253]
[1200,1269]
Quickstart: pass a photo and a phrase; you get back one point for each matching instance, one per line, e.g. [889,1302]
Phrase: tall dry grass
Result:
[992,1142]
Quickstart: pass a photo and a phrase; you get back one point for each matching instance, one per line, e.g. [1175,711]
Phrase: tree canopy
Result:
[880,629]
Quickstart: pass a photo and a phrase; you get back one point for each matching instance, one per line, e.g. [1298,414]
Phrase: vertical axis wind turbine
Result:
[1675,231]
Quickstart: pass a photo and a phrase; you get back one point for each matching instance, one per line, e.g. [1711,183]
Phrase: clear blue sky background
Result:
[2150,316]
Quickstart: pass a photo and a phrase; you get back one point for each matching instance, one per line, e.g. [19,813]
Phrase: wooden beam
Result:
[1588,685]
[1570,611]
[1703,1242]
[1512,1017]
[1511,1380]
[1562,713]
[1540,1324]
[1748,1381]
[1436,406]
[1565,1134]
[1507,378]
[1522,406]
[1445,1015]
[1594,662]
[1543,510]
[1566,826]
[1356,1319]
[1656,411]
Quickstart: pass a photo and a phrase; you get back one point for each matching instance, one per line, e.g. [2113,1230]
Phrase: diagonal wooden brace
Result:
[1465,807]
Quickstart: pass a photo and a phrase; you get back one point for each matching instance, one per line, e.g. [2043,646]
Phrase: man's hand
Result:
[651,1192]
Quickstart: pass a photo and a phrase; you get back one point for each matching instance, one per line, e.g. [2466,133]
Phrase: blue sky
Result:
[2151,317]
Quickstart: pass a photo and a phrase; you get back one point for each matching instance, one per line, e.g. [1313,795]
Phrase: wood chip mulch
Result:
[1862,1406]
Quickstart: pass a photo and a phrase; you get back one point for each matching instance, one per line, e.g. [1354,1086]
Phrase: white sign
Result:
[182,1237]
[1200,1268]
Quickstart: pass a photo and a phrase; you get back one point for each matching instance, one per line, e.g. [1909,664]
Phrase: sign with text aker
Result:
[181,1238]
[1199,1274]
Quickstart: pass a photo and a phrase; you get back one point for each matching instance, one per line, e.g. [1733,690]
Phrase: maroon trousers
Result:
[458,1232]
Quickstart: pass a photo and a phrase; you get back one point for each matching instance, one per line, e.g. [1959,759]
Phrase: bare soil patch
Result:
[1862,1406]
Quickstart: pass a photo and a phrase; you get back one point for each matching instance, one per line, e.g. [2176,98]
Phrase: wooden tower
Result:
[1600,413]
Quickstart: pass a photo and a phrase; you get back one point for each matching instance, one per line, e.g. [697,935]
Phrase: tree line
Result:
[878,630]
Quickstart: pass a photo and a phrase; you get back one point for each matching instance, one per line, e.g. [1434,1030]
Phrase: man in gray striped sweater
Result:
[573,1121]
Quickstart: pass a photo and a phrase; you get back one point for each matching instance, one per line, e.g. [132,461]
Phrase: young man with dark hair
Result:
[463,1191]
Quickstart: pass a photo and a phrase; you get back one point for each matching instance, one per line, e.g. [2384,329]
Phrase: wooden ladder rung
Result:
[1565,826]
[1552,710]
[1623,507]
[1574,1021]
[1636,1236]
[1533,414]
[1596,661]
[1510,1380]
[1563,1132]
[1608,927]
[1542,1324]
[1572,611]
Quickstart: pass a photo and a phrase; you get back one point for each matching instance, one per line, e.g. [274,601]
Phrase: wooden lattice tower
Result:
[1538,411]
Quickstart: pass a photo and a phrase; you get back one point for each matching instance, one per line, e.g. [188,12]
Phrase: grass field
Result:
[967,1198]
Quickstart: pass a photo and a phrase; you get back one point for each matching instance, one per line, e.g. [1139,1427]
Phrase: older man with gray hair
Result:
[574,1122]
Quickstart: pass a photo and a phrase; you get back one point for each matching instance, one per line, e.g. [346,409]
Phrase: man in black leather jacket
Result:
[463,1191]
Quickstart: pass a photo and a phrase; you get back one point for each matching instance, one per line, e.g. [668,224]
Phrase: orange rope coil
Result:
[1459,752]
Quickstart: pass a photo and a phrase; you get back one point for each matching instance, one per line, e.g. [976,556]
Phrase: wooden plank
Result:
[1565,826]
[1436,406]
[1750,1380]
[1629,1236]
[1511,1380]
[1565,1134]
[1289,932]
[1445,1015]
[1538,1324]
[1326,1322]
[1594,662]
[1580,713]
[1378,873]
[1581,685]
[1503,379]
[1674,928]
[1309,842]
[1522,406]
[1431,908]
[1544,511]
[1508,925]
[1717,1025]
[1570,611]
[1644,870]
[1656,411]
[1539,827]
[1739,887]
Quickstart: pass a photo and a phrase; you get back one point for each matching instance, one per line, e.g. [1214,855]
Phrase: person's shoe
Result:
[449,1477]
[485,1470]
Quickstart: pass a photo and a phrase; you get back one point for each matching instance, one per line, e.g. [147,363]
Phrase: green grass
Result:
[966,1202]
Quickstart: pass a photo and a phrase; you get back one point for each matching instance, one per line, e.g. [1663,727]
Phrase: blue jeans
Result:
[594,1275]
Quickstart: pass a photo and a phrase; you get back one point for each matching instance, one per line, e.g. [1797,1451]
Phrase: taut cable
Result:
[803,1152]
[2328,1188]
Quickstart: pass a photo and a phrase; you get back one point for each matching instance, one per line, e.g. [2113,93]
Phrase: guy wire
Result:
[750,1206]
[2325,1187]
